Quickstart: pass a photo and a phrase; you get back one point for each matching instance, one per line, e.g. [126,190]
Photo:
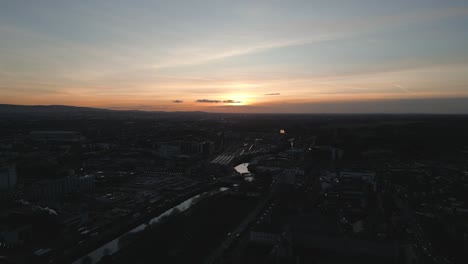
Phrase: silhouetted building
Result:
[7,177]
[56,136]
[51,189]
[207,148]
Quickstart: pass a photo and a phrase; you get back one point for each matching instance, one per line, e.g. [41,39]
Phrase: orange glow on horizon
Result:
[240,100]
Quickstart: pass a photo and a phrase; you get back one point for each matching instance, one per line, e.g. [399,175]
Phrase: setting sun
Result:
[240,99]
[244,56]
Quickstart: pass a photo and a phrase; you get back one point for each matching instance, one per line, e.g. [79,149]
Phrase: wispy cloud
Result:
[340,30]
[401,87]
[231,102]
[211,101]
[208,101]
[177,101]
[272,94]
[252,49]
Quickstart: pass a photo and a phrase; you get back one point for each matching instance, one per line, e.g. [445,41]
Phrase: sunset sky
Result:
[237,56]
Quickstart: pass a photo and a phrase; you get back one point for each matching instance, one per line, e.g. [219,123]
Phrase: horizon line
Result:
[238,113]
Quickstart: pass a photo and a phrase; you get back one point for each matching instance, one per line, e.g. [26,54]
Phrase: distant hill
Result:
[16,109]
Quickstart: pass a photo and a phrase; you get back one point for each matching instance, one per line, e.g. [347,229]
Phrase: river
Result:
[243,169]
[115,245]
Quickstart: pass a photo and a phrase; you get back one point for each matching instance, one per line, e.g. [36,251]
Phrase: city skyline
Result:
[243,56]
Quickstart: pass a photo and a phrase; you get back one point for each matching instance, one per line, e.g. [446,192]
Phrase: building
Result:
[7,177]
[52,189]
[168,151]
[207,148]
[14,234]
[180,147]
[368,177]
[56,136]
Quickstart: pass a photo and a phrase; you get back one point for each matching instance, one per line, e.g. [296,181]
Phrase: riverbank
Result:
[189,237]
[81,251]
[128,237]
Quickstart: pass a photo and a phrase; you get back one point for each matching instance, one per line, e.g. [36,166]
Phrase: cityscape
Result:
[226,132]
[82,185]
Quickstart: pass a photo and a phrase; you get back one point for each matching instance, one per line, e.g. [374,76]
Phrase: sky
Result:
[349,56]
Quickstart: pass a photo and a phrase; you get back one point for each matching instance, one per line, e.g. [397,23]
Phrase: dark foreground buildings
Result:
[119,187]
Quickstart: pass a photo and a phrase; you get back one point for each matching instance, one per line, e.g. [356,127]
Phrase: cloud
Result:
[272,94]
[401,87]
[217,101]
[254,48]
[231,102]
[344,29]
[177,101]
[208,101]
